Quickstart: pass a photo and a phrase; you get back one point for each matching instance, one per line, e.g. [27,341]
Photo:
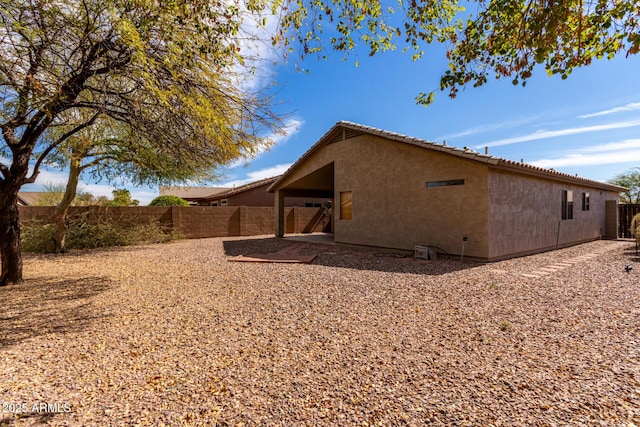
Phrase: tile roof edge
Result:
[524,168]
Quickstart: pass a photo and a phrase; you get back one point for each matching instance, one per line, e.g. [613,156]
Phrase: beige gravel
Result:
[175,334]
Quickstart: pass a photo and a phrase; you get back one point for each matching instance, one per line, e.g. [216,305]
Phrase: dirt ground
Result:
[176,334]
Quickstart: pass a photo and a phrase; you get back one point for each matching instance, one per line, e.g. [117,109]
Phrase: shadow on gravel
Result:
[633,252]
[42,306]
[36,418]
[76,253]
[346,256]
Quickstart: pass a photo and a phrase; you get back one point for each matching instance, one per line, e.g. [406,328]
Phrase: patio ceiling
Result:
[318,183]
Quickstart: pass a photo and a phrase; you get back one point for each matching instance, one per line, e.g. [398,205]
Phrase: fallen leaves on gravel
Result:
[175,335]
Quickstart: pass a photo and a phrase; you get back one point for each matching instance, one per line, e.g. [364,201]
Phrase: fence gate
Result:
[625,213]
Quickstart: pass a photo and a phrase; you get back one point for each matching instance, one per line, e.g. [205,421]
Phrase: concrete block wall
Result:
[195,222]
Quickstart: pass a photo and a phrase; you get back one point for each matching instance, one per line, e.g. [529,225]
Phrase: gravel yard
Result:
[174,334]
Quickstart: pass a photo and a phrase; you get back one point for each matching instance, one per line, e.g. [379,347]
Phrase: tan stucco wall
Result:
[525,214]
[392,207]
[503,213]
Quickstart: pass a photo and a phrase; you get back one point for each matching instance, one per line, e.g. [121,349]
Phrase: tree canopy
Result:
[631,180]
[499,38]
[170,74]
[122,197]
[169,201]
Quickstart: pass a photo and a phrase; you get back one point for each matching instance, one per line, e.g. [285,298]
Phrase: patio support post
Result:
[279,199]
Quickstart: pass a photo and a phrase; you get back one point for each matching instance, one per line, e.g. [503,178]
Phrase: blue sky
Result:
[588,124]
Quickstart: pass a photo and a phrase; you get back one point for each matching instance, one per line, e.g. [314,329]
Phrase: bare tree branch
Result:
[51,147]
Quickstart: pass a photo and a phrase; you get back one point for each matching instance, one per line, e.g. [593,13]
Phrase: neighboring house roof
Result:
[344,130]
[192,192]
[30,198]
[243,188]
[22,202]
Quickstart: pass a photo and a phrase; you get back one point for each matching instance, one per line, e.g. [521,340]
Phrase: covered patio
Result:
[318,183]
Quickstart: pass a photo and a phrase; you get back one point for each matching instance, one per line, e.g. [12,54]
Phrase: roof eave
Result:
[531,170]
[315,147]
[504,164]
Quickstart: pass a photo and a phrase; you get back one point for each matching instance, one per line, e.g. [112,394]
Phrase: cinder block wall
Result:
[195,222]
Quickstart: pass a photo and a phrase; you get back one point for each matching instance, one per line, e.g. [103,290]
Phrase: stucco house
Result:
[31,198]
[196,196]
[395,191]
[22,201]
[255,194]
[251,194]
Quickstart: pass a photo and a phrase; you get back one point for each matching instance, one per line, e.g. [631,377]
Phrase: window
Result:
[345,205]
[567,204]
[224,202]
[433,184]
[585,201]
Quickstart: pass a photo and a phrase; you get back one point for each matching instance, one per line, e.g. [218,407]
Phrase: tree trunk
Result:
[62,209]
[10,249]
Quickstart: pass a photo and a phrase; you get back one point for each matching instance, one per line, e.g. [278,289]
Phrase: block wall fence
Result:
[196,222]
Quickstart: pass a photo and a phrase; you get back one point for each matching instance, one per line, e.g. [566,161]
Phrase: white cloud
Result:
[611,153]
[289,128]
[486,128]
[629,107]
[590,159]
[545,134]
[259,174]
[256,48]
[622,145]
[96,189]
[143,196]
[50,176]
[468,132]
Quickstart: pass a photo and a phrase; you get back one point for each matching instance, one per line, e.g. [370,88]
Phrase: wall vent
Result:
[342,135]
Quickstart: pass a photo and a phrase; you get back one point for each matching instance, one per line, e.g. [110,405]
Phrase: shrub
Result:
[169,201]
[83,233]
[635,225]
[37,236]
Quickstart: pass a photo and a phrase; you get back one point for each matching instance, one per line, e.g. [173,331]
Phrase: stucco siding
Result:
[392,206]
[525,214]
[401,191]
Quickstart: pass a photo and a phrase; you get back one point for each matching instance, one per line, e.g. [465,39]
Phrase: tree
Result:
[53,193]
[630,180]
[105,150]
[504,39]
[122,197]
[169,201]
[169,72]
